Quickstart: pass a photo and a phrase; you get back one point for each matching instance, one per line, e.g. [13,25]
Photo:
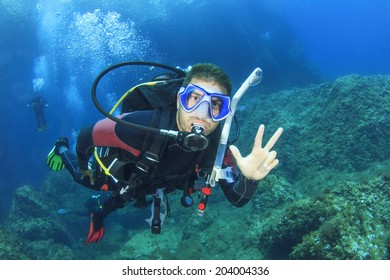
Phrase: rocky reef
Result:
[341,126]
[328,199]
[346,221]
[41,235]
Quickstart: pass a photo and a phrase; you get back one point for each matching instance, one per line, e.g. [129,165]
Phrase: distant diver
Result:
[38,104]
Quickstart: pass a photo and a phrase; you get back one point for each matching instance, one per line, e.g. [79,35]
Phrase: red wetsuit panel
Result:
[104,135]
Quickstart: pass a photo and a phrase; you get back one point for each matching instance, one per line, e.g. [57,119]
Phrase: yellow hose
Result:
[98,160]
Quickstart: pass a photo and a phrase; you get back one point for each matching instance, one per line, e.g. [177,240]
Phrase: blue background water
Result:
[58,48]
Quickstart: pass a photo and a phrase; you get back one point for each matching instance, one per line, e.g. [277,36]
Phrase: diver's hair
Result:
[210,73]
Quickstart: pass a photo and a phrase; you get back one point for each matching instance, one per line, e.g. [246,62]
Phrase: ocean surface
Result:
[57,48]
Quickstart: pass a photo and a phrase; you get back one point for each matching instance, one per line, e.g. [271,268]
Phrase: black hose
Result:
[237,133]
[129,63]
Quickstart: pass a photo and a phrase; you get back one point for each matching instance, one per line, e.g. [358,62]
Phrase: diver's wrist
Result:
[250,180]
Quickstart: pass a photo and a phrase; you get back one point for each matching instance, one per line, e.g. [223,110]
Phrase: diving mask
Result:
[193,96]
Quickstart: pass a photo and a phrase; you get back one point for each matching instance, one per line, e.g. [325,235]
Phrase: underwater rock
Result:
[342,126]
[11,247]
[48,250]
[32,218]
[350,221]
[143,245]
[273,192]
[63,193]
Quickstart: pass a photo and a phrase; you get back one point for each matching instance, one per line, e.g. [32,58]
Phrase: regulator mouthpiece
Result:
[196,140]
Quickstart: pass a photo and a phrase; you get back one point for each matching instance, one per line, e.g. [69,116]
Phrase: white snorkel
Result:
[253,79]
[218,173]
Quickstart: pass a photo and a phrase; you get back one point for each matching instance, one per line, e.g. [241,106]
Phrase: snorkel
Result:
[252,80]
[217,173]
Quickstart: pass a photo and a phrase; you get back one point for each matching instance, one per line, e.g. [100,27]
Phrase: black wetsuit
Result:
[177,166]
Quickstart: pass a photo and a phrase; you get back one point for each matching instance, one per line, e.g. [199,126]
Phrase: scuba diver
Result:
[38,104]
[133,164]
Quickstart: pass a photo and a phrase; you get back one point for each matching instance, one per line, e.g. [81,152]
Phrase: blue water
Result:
[57,48]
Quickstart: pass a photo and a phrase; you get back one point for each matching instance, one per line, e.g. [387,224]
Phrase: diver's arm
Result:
[241,190]
[107,133]
[84,147]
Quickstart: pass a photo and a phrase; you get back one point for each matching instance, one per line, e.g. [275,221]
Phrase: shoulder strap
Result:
[154,143]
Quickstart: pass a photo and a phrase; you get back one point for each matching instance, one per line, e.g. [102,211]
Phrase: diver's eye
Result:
[193,98]
[216,104]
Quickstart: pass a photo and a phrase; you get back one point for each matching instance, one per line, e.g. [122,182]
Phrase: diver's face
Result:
[186,120]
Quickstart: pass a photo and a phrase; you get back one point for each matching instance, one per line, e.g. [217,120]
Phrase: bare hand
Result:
[88,173]
[260,161]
